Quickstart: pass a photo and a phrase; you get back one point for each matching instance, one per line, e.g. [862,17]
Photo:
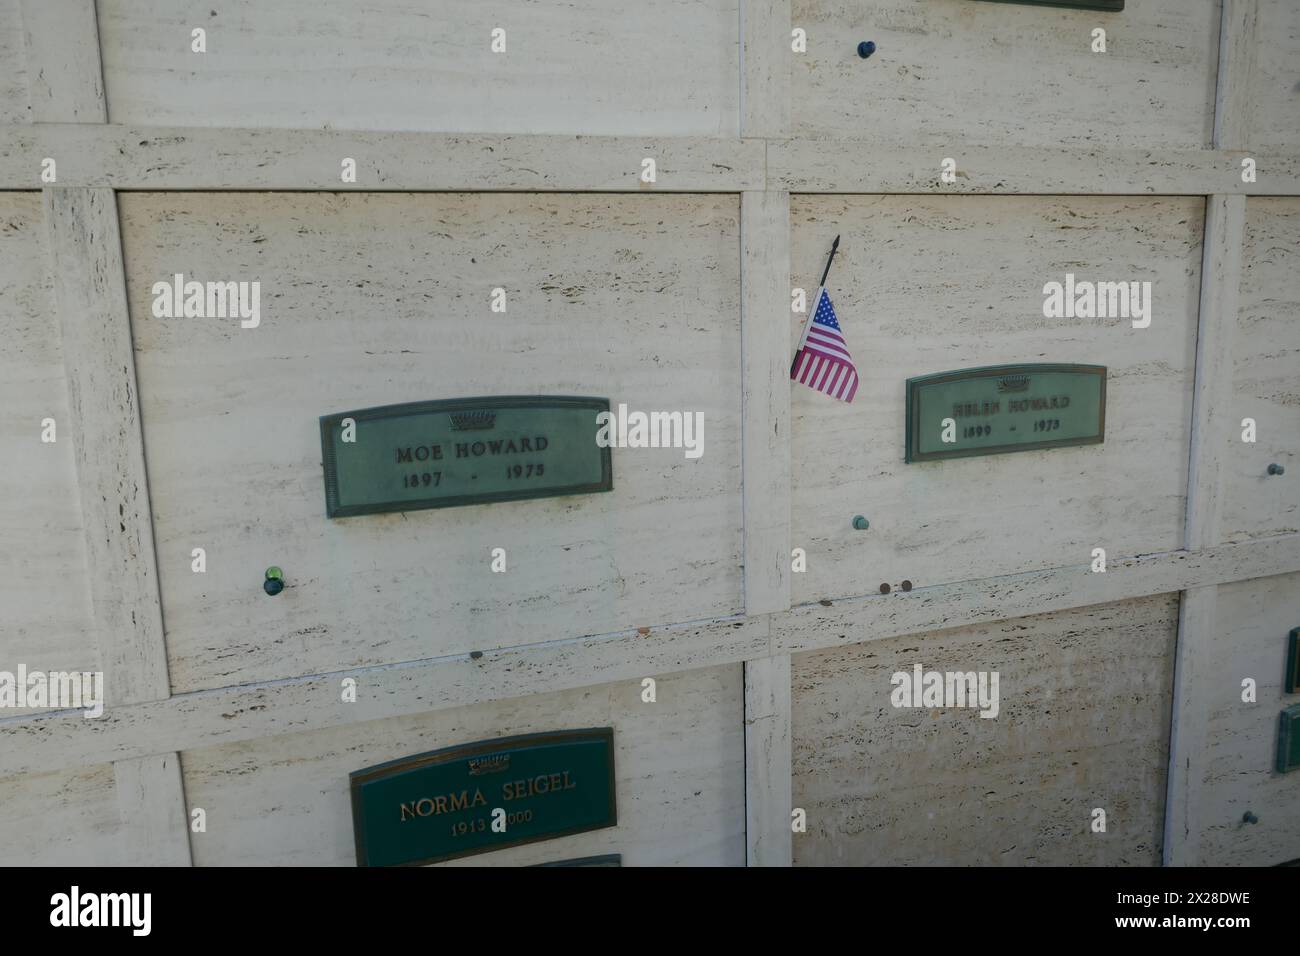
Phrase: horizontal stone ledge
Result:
[50,742]
[211,158]
[988,600]
[836,166]
[220,158]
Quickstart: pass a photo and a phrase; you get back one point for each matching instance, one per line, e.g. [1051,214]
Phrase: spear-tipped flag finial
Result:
[827,271]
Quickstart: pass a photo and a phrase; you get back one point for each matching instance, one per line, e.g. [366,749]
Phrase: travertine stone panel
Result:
[1253,620]
[1266,378]
[45,620]
[928,284]
[679,766]
[1083,722]
[372,299]
[955,73]
[655,67]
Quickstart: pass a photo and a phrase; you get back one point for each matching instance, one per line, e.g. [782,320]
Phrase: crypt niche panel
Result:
[472,340]
[45,616]
[956,73]
[1257,637]
[655,67]
[13,72]
[678,783]
[1272,91]
[1261,467]
[995,428]
[992,745]
[67,817]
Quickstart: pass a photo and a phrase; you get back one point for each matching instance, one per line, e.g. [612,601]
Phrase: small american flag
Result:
[822,360]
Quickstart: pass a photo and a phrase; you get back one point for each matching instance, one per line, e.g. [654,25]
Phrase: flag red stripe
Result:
[822,360]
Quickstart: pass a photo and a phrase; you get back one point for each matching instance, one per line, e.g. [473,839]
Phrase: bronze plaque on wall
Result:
[444,804]
[1114,6]
[462,451]
[1004,408]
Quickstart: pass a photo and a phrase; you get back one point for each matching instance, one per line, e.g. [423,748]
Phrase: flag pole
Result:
[834,246]
[807,325]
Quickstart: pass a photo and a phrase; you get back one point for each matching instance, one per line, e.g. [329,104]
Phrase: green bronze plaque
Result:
[462,451]
[1288,739]
[440,805]
[609,859]
[1005,408]
[1111,5]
